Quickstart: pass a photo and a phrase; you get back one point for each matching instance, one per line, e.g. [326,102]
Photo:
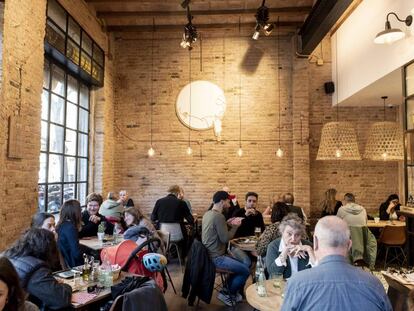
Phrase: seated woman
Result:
[272,201]
[135,221]
[330,206]
[91,219]
[387,210]
[289,254]
[44,221]
[124,199]
[112,209]
[68,233]
[33,255]
[271,232]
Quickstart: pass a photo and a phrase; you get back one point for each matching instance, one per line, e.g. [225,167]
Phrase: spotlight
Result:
[185,4]
[256,33]
[262,18]
[390,35]
[190,34]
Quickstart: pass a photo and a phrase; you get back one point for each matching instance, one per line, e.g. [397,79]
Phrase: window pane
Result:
[55,168]
[43,136]
[68,192]
[74,30]
[57,109]
[57,14]
[56,138]
[42,168]
[83,145]
[70,169]
[84,96]
[82,169]
[71,115]
[70,142]
[46,74]
[410,114]
[72,94]
[86,43]
[58,81]
[86,63]
[45,105]
[98,55]
[83,120]
[54,198]
[41,192]
[81,194]
[55,37]
[97,72]
[73,51]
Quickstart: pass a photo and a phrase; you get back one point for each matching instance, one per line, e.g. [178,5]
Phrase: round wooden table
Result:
[272,302]
[246,244]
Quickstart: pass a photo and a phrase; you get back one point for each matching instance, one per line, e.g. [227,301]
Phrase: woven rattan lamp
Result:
[385,141]
[338,142]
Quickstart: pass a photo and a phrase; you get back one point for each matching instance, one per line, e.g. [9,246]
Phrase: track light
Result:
[390,35]
[190,34]
[185,4]
[262,18]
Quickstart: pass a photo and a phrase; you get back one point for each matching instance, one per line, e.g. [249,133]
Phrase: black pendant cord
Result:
[240,88]
[278,74]
[189,117]
[152,78]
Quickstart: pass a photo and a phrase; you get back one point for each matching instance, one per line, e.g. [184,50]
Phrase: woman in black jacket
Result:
[32,256]
[388,208]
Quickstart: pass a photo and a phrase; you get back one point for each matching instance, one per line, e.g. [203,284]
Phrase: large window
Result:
[64,150]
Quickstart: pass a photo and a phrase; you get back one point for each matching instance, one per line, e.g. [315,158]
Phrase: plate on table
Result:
[246,240]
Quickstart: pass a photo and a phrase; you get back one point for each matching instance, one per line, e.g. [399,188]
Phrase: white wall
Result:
[360,61]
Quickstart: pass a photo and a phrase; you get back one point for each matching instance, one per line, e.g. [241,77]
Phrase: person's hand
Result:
[235,221]
[250,211]
[300,251]
[401,218]
[95,219]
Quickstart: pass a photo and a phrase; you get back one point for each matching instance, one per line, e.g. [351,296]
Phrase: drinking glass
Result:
[76,279]
[278,282]
[257,232]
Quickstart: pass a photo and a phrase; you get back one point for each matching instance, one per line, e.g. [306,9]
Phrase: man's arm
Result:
[154,214]
[187,214]
[223,233]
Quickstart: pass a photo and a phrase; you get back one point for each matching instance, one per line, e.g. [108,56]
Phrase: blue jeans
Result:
[238,278]
[240,255]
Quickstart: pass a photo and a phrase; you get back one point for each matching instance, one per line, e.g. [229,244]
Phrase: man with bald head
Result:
[334,284]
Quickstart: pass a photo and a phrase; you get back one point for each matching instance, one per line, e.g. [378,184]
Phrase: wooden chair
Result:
[393,237]
[165,237]
[117,304]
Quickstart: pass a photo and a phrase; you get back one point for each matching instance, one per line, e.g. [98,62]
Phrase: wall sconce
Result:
[390,35]
[262,18]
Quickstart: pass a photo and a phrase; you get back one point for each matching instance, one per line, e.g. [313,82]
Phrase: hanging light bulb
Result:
[338,153]
[240,152]
[279,152]
[189,150]
[217,128]
[151,152]
[384,156]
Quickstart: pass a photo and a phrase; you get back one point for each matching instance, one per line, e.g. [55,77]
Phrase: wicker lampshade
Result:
[338,142]
[385,142]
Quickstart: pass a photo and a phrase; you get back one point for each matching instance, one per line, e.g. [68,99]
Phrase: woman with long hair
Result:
[330,205]
[68,229]
[137,223]
[44,221]
[33,255]
[388,209]
[279,210]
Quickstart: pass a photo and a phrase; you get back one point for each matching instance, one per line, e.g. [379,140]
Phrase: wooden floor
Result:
[178,303]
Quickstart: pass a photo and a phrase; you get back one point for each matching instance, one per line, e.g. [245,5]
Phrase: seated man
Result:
[289,254]
[352,213]
[252,217]
[289,200]
[215,236]
[334,284]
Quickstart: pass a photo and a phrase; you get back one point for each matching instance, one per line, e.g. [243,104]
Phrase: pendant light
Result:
[151,151]
[385,140]
[240,150]
[338,139]
[189,149]
[279,152]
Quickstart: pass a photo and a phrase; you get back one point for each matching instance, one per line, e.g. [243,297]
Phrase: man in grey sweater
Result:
[215,236]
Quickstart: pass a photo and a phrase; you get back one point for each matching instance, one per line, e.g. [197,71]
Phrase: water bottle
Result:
[261,285]
[259,269]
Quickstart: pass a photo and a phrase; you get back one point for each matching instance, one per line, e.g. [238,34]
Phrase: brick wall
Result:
[24,30]
[305,108]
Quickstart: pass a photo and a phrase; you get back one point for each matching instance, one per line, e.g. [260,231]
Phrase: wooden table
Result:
[249,246]
[102,295]
[383,223]
[95,244]
[398,290]
[272,302]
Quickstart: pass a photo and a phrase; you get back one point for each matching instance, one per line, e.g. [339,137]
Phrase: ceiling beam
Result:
[292,26]
[286,11]
[324,15]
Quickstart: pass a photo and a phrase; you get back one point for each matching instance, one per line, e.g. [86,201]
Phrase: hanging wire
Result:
[201,53]
[189,117]
[19,104]
[278,73]
[240,88]
[152,77]
[338,152]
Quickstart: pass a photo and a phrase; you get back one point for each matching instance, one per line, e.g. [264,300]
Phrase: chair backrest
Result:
[174,229]
[117,304]
[393,235]
[165,237]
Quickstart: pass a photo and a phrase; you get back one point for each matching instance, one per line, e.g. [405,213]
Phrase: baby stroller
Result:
[129,256]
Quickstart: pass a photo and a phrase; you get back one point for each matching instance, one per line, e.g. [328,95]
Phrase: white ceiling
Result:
[390,85]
